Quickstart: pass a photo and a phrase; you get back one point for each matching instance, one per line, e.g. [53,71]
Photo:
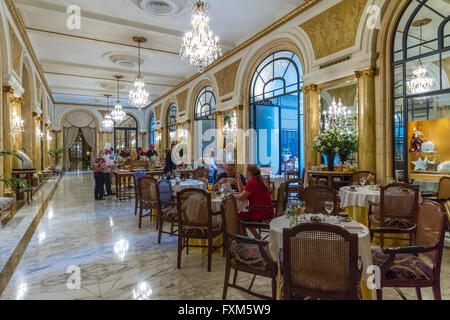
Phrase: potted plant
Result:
[327,143]
[348,144]
[12,184]
[56,155]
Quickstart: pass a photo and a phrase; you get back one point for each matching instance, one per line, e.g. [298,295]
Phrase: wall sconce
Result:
[39,134]
[49,137]
[17,124]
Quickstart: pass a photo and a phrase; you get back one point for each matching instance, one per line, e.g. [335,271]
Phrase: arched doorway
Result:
[205,123]
[126,134]
[276,111]
[79,139]
[421,89]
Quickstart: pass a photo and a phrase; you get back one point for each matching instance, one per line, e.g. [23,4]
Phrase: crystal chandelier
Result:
[420,83]
[118,115]
[17,124]
[338,117]
[108,121]
[139,97]
[199,48]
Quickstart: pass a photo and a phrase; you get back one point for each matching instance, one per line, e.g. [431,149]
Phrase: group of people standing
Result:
[102,166]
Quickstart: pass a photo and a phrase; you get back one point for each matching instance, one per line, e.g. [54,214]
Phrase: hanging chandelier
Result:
[108,121]
[199,48]
[138,96]
[338,117]
[420,82]
[118,115]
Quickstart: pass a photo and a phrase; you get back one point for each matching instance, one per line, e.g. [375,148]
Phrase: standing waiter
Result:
[171,159]
[109,163]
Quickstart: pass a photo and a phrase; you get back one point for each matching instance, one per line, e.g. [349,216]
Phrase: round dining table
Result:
[364,249]
[355,201]
[186,184]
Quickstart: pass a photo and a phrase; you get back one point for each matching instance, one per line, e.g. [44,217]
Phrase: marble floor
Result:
[117,260]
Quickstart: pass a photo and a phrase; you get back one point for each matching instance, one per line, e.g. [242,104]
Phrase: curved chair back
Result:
[431,226]
[148,191]
[194,208]
[281,201]
[320,261]
[315,198]
[165,192]
[136,176]
[444,189]
[399,201]
[201,173]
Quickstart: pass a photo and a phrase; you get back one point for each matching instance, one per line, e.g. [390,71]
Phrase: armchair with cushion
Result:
[419,265]
[243,253]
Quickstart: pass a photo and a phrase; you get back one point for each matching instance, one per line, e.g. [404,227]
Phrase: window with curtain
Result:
[205,122]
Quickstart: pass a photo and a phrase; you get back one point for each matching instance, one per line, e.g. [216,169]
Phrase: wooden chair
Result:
[168,211]
[148,198]
[444,189]
[418,265]
[315,198]
[243,253]
[195,221]
[360,174]
[136,176]
[295,183]
[201,173]
[399,204]
[271,185]
[320,261]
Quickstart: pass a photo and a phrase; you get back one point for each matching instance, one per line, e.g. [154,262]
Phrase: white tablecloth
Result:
[186,185]
[427,186]
[359,197]
[364,251]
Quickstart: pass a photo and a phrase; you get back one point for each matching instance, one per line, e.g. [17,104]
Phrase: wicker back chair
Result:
[195,221]
[169,211]
[148,198]
[360,174]
[243,253]
[281,202]
[320,261]
[315,198]
[201,173]
[399,204]
[405,266]
[136,176]
[444,189]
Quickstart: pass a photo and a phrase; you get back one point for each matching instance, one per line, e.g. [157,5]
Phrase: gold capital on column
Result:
[8,89]
[369,72]
[18,100]
[310,88]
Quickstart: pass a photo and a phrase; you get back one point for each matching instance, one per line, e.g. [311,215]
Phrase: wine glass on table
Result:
[329,207]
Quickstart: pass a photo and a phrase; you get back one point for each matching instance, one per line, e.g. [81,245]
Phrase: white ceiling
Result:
[80,64]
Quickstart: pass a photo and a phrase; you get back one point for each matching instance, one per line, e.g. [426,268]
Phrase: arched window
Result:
[205,106]
[276,111]
[205,123]
[420,87]
[171,124]
[152,129]
[126,134]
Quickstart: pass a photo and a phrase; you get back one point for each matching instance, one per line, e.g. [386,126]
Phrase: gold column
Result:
[219,132]
[311,103]
[6,162]
[35,141]
[366,119]
[16,141]
[240,148]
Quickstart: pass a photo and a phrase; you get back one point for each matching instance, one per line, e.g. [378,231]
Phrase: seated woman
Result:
[257,192]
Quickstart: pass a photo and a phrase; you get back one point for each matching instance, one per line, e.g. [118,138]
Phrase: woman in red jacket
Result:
[257,193]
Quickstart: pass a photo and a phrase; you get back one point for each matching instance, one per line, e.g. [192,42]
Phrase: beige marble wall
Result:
[311,104]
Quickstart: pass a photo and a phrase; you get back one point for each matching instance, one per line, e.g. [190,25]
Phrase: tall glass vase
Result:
[330,161]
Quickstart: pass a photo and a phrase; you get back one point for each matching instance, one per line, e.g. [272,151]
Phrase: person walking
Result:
[171,159]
